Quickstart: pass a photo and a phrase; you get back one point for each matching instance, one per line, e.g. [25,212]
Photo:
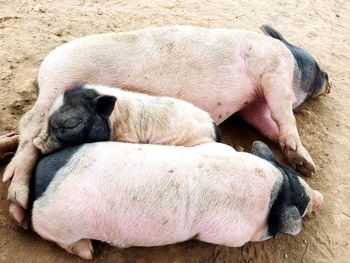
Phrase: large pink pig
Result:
[222,71]
[152,195]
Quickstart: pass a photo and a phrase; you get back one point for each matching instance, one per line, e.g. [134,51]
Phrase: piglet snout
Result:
[318,200]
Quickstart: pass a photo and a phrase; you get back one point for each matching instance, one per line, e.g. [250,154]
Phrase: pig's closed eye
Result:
[72,123]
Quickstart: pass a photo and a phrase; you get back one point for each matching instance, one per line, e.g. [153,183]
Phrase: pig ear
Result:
[263,151]
[104,105]
[290,220]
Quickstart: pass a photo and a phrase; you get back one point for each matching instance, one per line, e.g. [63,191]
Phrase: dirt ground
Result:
[29,31]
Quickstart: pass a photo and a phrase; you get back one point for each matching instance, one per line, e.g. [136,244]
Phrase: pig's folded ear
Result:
[263,151]
[290,220]
[104,105]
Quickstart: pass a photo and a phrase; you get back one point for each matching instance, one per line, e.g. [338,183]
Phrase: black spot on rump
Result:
[45,171]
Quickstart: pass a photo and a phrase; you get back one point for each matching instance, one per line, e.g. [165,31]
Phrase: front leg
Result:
[21,166]
[277,90]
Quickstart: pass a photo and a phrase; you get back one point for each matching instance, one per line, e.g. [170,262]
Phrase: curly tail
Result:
[270,31]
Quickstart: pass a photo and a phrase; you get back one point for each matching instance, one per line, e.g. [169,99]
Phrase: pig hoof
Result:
[82,248]
[18,194]
[301,160]
[9,172]
[17,213]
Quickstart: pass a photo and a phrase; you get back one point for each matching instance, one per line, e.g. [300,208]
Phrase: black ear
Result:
[290,220]
[104,105]
[263,151]
[99,131]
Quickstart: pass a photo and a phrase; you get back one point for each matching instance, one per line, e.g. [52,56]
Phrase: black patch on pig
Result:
[45,171]
[291,200]
[217,137]
[312,77]
[261,150]
[291,194]
[83,117]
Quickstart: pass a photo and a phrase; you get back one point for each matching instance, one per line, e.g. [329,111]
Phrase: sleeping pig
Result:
[153,195]
[92,113]
[222,71]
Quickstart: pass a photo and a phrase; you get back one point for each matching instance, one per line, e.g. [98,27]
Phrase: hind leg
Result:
[8,144]
[21,166]
[258,115]
[59,230]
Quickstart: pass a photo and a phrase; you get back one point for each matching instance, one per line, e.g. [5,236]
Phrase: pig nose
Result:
[318,200]
[329,86]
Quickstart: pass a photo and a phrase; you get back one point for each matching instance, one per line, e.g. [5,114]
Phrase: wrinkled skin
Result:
[222,71]
[153,195]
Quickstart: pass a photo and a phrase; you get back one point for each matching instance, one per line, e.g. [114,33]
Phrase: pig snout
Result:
[318,200]
[329,87]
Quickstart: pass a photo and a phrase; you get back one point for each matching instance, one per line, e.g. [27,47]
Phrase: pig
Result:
[153,195]
[260,77]
[91,113]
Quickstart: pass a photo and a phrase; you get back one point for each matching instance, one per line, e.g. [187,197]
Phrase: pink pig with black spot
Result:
[153,195]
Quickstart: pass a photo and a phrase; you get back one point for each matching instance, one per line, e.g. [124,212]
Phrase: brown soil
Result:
[27,34]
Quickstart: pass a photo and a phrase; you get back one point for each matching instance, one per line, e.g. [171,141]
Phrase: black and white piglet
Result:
[92,113]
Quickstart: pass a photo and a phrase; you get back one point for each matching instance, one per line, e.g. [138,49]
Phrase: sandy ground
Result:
[27,34]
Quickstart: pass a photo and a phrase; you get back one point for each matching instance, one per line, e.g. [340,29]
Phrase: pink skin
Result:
[227,76]
[8,145]
[318,200]
[143,218]
[204,196]
[258,115]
